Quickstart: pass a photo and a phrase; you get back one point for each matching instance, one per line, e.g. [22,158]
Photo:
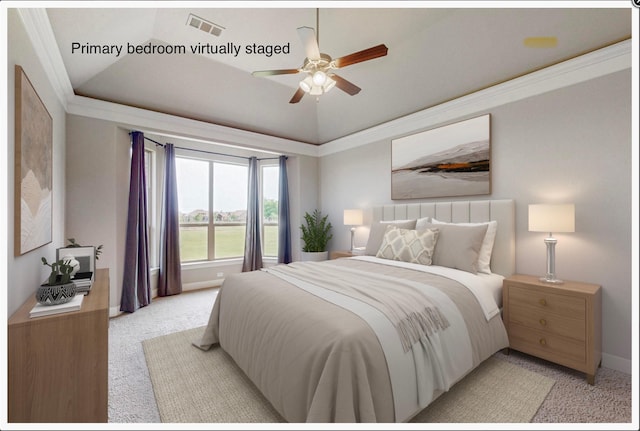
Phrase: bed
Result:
[377,337]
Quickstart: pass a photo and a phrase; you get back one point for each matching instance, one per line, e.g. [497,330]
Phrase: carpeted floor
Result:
[191,385]
[131,397]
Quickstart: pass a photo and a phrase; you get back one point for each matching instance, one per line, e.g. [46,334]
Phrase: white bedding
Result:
[487,288]
[320,356]
[430,367]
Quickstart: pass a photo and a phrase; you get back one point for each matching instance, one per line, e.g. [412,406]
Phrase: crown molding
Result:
[166,124]
[38,28]
[598,63]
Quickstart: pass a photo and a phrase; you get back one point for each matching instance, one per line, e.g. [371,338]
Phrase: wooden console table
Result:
[59,364]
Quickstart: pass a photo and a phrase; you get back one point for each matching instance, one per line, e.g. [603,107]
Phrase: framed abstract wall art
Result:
[33,167]
[452,160]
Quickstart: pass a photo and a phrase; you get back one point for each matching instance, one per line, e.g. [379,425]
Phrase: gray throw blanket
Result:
[411,312]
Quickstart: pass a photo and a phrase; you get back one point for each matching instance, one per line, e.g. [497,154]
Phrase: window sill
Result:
[271,260]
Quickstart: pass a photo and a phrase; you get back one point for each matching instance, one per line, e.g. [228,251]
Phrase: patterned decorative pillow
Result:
[376,234]
[408,245]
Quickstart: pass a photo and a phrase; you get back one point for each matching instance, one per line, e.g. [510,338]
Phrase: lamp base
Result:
[551,262]
[353,246]
[551,280]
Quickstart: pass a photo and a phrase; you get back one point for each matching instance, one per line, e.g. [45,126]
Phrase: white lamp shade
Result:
[328,84]
[353,217]
[306,84]
[319,78]
[552,218]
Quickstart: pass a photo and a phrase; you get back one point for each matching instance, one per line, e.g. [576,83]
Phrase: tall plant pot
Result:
[314,256]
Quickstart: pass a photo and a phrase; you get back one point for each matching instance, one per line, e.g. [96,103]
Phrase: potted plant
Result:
[59,287]
[316,233]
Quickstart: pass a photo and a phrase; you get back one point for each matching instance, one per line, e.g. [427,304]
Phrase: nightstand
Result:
[561,323]
[340,253]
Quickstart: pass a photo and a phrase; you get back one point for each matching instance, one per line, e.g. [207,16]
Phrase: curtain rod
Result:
[208,152]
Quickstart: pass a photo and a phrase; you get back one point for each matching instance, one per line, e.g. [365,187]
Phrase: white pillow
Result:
[458,246]
[421,222]
[484,256]
[408,245]
[376,234]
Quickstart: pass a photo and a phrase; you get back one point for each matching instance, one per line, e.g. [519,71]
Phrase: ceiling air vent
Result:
[204,25]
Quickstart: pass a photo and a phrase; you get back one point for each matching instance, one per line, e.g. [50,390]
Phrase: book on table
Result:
[40,310]
[83,281]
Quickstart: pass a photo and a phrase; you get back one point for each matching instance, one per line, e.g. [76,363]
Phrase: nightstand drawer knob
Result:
[543,302]
[543,322]
[543,342]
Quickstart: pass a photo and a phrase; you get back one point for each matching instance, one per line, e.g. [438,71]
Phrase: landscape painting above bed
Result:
[452,160]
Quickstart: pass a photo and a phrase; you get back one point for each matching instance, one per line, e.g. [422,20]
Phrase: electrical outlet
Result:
[220,274]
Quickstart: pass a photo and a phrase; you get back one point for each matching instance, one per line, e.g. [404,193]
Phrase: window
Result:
[270,180]
[230,209]
[193,178]
[212,200]
[149,177]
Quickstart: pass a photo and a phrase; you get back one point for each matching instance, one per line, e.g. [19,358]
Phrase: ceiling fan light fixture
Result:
[319,77]
[306,84]
[316,90]
[328,84]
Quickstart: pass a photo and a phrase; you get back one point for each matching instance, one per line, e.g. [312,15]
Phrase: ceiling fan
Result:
[319,67]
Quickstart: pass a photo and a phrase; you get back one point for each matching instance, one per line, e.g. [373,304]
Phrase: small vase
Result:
[55,294]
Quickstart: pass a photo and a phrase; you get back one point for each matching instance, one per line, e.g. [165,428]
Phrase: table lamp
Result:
[551,218]
[353,218]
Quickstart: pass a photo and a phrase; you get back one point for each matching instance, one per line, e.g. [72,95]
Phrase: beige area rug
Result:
[195,386]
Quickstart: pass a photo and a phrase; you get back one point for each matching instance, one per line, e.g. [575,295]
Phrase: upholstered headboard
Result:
[503,258]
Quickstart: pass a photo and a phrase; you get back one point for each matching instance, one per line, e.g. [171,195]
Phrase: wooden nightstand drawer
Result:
[548,302]
[561,323]
[547,345]
[552,323]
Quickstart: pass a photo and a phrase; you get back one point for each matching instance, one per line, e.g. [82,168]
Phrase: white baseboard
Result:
[617,363]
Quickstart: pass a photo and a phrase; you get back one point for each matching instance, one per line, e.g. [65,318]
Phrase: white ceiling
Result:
[435,55]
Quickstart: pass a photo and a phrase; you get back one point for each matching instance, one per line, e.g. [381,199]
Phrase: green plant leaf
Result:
[316,232]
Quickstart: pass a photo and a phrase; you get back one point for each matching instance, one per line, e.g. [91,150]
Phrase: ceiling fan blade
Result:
[364,55]
[275,72]
[310,43]
[345,85]
[296,97]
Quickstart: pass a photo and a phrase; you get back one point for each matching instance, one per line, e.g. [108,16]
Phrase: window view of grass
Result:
[224,185]
[193,243]
[229,242]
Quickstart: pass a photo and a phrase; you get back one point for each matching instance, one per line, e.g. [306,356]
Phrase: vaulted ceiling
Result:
[434,55]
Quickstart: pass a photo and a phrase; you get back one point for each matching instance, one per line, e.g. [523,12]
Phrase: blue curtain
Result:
[284,223]
[136,288]
[252,245]
[170,276]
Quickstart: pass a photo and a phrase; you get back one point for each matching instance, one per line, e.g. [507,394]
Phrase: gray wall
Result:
[26,272]
[568,145]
